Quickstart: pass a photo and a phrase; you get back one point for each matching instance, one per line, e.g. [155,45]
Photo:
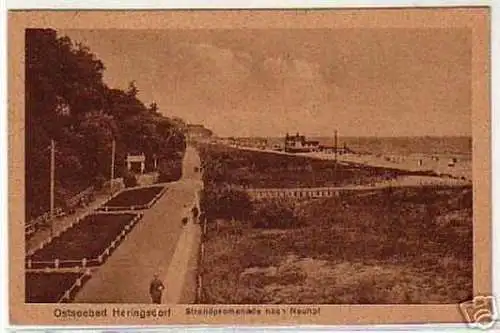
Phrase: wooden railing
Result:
[83,197]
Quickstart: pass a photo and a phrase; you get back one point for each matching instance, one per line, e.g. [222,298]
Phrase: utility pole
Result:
[113,150]
[52,184]
[336,145]
[335,165]
[112,176]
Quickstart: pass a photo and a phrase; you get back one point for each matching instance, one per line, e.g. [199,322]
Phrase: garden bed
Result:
[133,199]
[87,243]
[53,287]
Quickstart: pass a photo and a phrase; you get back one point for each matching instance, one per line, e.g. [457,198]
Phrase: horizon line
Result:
[349,136]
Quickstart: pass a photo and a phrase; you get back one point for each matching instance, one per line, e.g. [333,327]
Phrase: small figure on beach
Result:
[156,288]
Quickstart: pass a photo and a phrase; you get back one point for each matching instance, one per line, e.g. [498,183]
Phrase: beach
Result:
[439,164]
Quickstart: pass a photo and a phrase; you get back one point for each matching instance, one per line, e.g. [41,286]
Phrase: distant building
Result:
[197,132]
[246,142]
[298,144]
[258,143]
[277,147]
[136,163]
[331,149]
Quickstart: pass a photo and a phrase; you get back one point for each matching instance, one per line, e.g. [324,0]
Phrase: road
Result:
[158,244]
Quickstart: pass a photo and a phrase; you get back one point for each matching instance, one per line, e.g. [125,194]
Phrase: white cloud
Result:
[237,88]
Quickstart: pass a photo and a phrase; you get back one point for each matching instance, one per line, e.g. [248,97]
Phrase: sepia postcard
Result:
[278,167]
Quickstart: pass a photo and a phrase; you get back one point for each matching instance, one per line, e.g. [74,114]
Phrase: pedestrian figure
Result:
[195,212]
[156,288]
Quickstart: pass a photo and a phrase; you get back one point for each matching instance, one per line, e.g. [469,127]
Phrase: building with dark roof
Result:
[299,144]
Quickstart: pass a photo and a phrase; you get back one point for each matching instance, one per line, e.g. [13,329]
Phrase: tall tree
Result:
[67,100]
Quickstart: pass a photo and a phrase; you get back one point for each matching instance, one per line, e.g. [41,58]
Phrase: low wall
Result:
[263,193]
[320,192]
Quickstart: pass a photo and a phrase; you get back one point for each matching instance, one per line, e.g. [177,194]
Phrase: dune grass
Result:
[257,169]
[407,245]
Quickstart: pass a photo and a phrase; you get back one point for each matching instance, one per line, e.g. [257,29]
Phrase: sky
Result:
[362,82]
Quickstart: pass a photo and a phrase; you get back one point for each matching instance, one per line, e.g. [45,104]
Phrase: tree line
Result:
[67,100]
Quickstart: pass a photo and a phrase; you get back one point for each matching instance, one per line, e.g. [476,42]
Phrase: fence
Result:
[82,262]
[82,197]
[261,193]
[106,208]
[32,226]
[71,292]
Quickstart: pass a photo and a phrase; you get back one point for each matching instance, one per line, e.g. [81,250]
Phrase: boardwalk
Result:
[157,242]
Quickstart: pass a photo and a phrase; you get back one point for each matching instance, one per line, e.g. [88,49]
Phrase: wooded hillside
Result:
[68,101]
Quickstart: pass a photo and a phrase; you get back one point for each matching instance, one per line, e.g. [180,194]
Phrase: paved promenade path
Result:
[150,247]
[181,276]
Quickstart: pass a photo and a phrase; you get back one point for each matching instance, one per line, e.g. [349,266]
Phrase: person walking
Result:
[156,288]
[195,212]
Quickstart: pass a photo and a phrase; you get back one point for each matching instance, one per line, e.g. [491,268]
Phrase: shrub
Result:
[99,182]
[129,180]
[170,170]
[274,214]
[291,274]
[225,203]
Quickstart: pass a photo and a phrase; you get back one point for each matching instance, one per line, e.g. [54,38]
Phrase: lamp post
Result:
[155,162]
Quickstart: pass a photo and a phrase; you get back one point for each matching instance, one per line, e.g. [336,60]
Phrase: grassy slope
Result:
[403,246]
[265,169]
